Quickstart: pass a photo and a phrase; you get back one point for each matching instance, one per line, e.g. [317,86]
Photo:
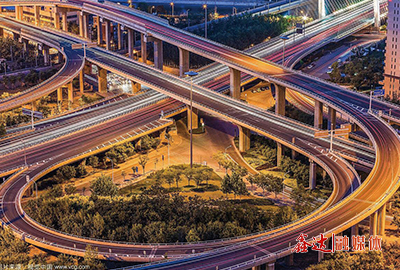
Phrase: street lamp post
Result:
[284,38]
[112,169]
[191,74]
[205,20]
[227,148]
[172,9]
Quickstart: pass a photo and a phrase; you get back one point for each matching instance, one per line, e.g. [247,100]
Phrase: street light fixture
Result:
[191,74]
[112,169]
[284,38]
[172,8]
[205,20]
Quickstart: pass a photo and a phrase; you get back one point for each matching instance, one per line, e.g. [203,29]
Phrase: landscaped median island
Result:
[173,204]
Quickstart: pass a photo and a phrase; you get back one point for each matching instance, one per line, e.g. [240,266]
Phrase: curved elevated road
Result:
[72,66]
[342,175]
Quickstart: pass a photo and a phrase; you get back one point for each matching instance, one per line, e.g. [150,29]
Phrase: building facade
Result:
[392,55]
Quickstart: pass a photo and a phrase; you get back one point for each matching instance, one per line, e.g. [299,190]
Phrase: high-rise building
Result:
[392,56]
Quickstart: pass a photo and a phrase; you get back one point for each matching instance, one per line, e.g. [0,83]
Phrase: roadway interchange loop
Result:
[343,175]
[376,189]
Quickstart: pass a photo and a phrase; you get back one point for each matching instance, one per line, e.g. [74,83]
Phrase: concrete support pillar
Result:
[120,37]
[381,220]
[318,114]
[258,267]
[354,230]
[377,13]
[99,30]
[270,266]
[280,99]
[18,13]
[46,55]
[70,93]
[108,34]
[85,25]
[183,62]
[143,45]
[279,154]
[56,18]
[81,81]
[102,80]
[313,175]
[244,139]
[64,20]
[136,87]
[60,57]
[331,118]
[37,15]
[80,22]
[195,118]
[235,81]
[131,32]
[320,256]
[294,153]
[373,223]
[290,259]
[321,9]
[158,54]
[59,95]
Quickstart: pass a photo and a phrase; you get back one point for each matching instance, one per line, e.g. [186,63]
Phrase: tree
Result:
[226,185]
[169,177]
[143,159]
[70,189]
[103,186]
[3,130]
[66,173]
[189,174]
[81,170]
[396,218]
[275,185]
[192,236]
[123,173]
[98,226]
[285,215]
[239,186]
[93,161]
[91,258]
[207,173]
[303,200]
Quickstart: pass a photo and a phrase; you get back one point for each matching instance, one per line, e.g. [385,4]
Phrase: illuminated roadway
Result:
[340,176]
[385,141]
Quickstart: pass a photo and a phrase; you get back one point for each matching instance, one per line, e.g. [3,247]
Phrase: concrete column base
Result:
[332,118]
[373,224]
[70,94]
[143,45]
[102,80]
[81,81]
[280,97]
[158,54]
[235,81]
[279,154]
[195,117]
[244,139]
[183,62]
[318,114]
[313,175]
[381,220]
